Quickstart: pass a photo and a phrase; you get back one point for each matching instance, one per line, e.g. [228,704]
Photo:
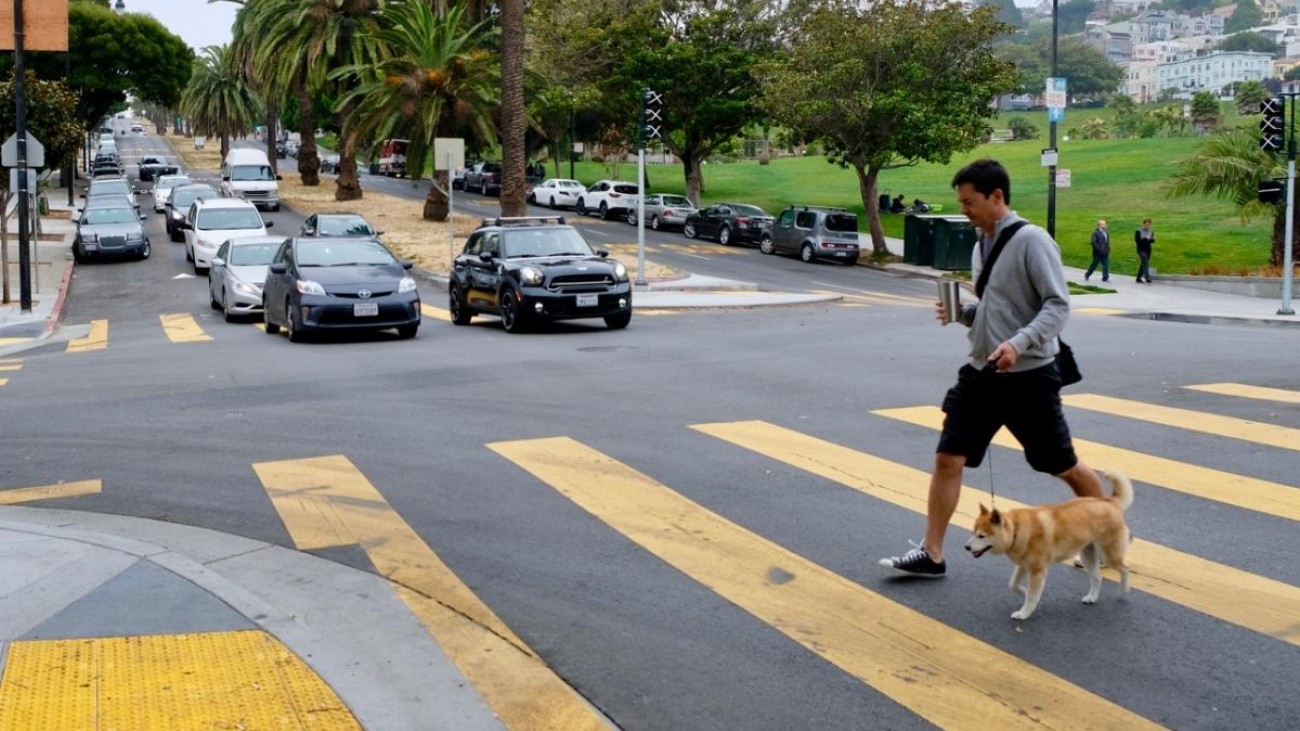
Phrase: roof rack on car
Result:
[522,221]
[805,207]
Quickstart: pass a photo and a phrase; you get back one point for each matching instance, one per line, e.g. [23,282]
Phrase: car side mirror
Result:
[407,263]
[83,195]
[269,224]
[485,256]
[225,178]
[218,261]
[379,233]
[142,216]
[602,253]
[279,268]
[279,177]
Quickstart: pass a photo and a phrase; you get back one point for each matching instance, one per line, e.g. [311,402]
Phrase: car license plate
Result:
[365,309]
[91,247]
[841,253]
[588,300]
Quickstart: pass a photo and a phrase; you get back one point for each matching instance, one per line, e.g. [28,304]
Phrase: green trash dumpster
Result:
[918,238]
[954,240]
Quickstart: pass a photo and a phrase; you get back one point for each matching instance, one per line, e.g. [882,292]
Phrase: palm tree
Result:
[513,119]
[244,46]
[437,79]
[219,99]
[1229,165]
[299,43]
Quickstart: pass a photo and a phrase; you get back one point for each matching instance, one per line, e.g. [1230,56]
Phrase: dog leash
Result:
[993,495]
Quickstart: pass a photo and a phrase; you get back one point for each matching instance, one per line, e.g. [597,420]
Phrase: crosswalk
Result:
[8,366]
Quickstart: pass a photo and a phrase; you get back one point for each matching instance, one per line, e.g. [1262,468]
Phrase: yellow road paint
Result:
[216,680]
[1254,602]
[1226,487]
[182,328]
[10,365]
[96,339]
[436,313]
[1223,426]
[947,677]
[1096,311]
[1255,392]
[327,501]
[14,341]
[4,381]
[50,492]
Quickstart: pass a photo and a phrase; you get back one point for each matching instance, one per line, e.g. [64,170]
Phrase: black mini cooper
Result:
[527,270]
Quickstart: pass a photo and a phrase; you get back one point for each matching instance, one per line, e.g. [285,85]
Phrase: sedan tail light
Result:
[742,221]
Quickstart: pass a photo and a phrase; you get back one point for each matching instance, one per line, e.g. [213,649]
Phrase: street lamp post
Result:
[1051,171]
[119,7]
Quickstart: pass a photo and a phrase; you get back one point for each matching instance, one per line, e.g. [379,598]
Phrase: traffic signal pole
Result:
[1290,217]
[647,129]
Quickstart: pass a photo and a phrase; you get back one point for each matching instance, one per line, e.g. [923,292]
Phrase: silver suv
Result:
[814,232]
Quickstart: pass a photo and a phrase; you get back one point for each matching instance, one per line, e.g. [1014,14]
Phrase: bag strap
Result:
[1003,238]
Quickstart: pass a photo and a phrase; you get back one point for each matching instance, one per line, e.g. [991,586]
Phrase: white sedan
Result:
[556,192]
[162,189]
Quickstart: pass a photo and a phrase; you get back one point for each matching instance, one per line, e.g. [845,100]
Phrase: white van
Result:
[247,174]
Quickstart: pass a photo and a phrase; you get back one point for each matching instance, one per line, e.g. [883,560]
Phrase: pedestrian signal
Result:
[1272,128]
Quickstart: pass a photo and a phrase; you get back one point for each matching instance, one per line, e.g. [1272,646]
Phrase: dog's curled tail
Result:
[1121,489]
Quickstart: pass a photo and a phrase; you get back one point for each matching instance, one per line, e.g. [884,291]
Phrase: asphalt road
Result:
[683,518]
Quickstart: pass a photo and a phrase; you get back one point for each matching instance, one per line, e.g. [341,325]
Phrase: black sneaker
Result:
[916,562]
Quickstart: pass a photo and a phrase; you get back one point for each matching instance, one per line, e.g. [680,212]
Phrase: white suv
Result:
[211,222]
[606,198]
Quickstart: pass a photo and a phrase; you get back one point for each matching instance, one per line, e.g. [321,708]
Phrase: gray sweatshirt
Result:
[1026,300]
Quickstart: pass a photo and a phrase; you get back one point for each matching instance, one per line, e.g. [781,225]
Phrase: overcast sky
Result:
[198,22]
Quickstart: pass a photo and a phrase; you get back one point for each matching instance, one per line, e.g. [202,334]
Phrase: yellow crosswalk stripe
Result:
[14,341]
[183,328]
[327,501]
[1254,392]
[11,364]
[947,677]
[96,339]
[879,298]
[1226,487]
[1224,426]
[50,492]
[1254,602]
[436,313]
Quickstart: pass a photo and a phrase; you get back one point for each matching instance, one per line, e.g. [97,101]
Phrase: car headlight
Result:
[531,276]
[620,271]
[244,288]
[306,286]
[406,285]
[90,238]
[177,215]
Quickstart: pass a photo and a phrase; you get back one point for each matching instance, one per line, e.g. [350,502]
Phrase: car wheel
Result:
[631,217]
[619,321]
[806,253]
[77,256]
[654,222]
[765,245]
[532,199]
[406,332]
[553,206]
[689,231]
[292,327]
[724,236]
[145,252]
[271,327]
[581,207]
[198,269]
[512,317]
[460,314]
[171,234]
[604,211]
[212,299]
[189,255]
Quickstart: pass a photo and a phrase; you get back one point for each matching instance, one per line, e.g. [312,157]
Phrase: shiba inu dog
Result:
[1037,537]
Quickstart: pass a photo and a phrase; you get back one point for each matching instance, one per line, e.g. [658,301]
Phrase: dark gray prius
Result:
[339,284]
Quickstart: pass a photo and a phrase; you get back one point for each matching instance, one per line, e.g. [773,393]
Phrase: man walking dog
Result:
[1012,379]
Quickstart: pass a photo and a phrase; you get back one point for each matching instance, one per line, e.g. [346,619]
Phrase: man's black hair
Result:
[986,176]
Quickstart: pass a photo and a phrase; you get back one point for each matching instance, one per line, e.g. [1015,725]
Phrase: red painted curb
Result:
[52,321]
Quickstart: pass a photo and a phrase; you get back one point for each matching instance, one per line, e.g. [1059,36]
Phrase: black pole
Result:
[24,205]
[70,168]
[1051,171]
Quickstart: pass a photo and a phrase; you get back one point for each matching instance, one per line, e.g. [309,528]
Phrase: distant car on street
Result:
[556,193]
[814,233]
[109,227]
[178,204]
[729,223]
[484,177]
[664,210]
[338,224]
[212,221]
[152,166]
[162,189]
[238,273]
[607,198]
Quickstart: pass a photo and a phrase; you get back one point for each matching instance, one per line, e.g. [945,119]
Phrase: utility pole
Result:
[1051,141]
[24,204]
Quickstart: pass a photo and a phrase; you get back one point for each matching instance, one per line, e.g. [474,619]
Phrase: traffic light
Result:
[651,115]
[1272,128]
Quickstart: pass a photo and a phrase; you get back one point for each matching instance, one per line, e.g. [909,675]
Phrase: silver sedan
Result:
[237,273]
[663,210]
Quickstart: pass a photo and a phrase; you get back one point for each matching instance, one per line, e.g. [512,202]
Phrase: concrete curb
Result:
[52,321]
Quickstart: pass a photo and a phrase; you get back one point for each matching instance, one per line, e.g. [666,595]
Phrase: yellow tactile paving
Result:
[215,680]
[96,339]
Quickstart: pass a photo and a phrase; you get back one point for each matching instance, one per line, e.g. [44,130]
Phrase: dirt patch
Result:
[427,243]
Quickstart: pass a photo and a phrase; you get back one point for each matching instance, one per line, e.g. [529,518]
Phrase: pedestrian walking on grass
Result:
[1100,252]
[1144,238]
[1012,379]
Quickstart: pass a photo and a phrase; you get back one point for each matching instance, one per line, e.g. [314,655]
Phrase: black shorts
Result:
[1028,403]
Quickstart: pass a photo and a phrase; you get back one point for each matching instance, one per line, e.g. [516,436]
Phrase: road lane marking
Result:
[183,328]
[1224,426]
[1240,491]
[1108,311]
[947,677]
[1254,602]
[14,341]
[9,365]
[436,313]
[1241,390]
[50,492]
[210,680]
[96,339]
[327,501]
[878,299]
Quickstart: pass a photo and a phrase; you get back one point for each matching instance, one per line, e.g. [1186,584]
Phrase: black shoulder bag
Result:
[1065,362]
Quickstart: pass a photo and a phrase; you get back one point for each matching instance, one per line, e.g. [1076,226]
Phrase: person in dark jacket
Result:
[1100,252]
[1144,238]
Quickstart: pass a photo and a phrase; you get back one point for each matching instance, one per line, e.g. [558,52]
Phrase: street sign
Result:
[1055,94]
[199,141]
[35,152]
[1055,114]
[13,180]
[448,153]
[45,26]
[1049,157]
[1062,178]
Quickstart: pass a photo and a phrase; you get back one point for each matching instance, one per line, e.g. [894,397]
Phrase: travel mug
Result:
[950,298]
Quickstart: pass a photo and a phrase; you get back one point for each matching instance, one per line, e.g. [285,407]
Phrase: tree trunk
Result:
[347,187]
[436,206]
[308,157]
[694,177]
[867,175]
[513,122]
[225,144]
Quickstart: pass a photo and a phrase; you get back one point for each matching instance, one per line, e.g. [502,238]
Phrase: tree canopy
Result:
[1249,41]
[1246,15]
[1087,71]
[51,117]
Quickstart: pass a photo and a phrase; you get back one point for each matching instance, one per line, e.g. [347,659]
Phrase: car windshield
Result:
[218,219]
[251,172]
[165,183]
[109,187]
[247,255]
[96,216]
[677,200]
[183,198]
[842,222]
[741,209]
[357,252]
[573,184]
[544,242]
[343,226]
